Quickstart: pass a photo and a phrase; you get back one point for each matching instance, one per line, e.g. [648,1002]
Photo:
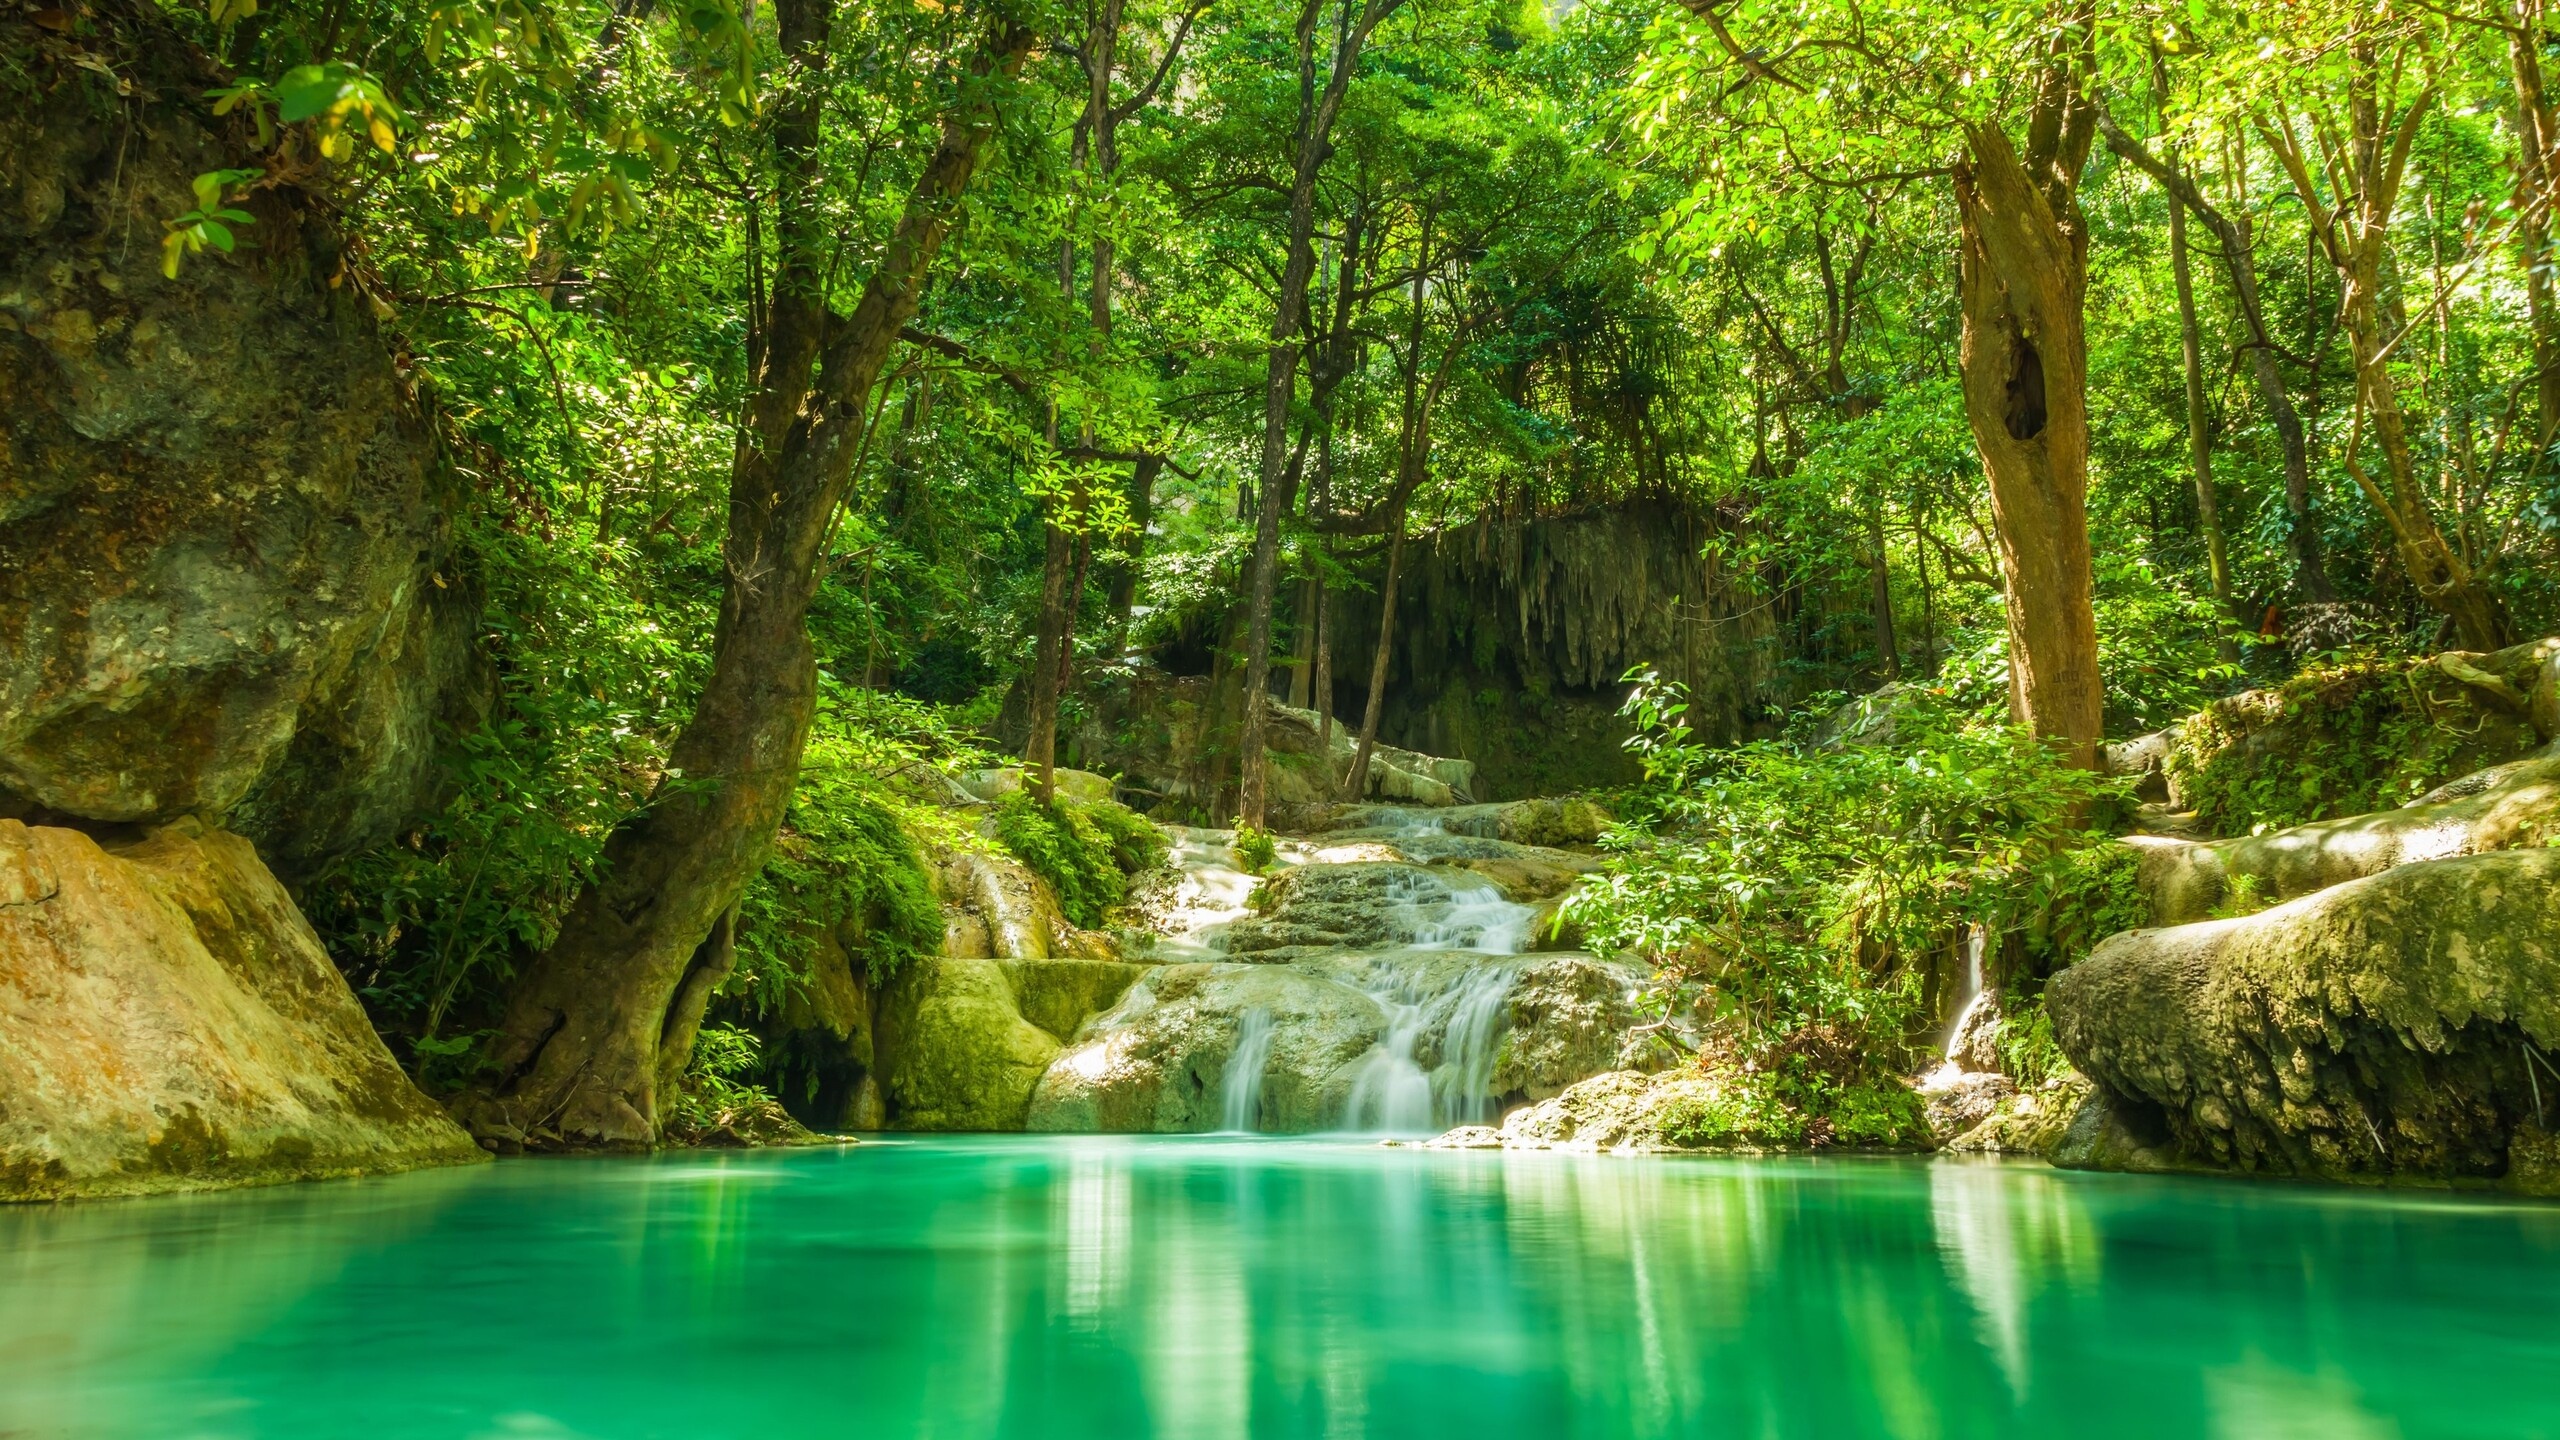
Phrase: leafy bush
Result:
[1085,851]
[1790,887]
[2023,1039]
[1254,850]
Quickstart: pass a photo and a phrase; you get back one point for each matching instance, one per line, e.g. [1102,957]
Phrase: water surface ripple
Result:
[1217,1287]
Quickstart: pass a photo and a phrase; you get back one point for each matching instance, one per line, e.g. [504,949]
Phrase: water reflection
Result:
[1072,1288]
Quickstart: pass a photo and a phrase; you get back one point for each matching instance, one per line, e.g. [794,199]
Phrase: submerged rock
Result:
[173,1024]
[2390,1028]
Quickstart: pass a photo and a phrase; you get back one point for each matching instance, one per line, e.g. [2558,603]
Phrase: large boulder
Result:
[224,555]
[995,908]
[2396,1027]
[1158,1064]
[959,1044]
[2505,807]
[168,1021]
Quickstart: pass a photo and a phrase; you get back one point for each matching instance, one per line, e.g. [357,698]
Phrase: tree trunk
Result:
[1323,686]
[2538,189]
[1880,587]
[1356,784]
[1049,638]
[2199,443]
[2023,272]
[599,1022]
[1302,645]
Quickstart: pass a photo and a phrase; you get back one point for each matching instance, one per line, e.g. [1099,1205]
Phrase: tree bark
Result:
[2310,569]
[1309,148]
[2199,441]
[1880,586]
[2538,192]
[601,1021]
[1356,784]
[2022,278]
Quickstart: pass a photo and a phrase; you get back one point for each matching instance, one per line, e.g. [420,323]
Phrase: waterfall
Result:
[1949,1066]
[1240,1088]
[1463,1086]
[1469,1011]
[1465,912]
[1392,1096]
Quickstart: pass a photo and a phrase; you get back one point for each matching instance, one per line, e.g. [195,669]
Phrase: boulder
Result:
[954,1051]
[1626,1110]
[1158,1064]
[992,785]
[2396,1027]
[1553,824]
[168,1021]
[1957,1102]
[2504,807]
[995,908]
[2024,1122]
[1573,1017]
[225,557]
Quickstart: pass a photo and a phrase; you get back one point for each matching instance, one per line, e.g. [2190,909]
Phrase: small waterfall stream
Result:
[1443,985]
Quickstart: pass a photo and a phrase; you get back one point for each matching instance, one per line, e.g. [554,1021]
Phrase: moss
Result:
[845,864]
[1085,850]
[2367,733]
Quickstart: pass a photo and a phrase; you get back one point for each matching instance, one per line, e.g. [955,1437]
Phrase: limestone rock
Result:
[990,785]
[1623,1110]
[2377,1030]
[1955,1104]
[2024,1122]
[2504,807]
[1553,824]
[224,551]
[168,1021]
[995,908]
[1158,1065]
[954,1051]
[1573,1017]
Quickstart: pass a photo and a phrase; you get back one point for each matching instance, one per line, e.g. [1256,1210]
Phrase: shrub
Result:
[1085,851]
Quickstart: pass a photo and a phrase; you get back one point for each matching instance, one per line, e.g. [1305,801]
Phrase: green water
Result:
[1202,1287]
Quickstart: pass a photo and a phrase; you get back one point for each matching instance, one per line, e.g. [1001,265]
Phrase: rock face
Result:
[1572,1017]
[168,1021]
[2393,1027]
[224,565]
[2505,807]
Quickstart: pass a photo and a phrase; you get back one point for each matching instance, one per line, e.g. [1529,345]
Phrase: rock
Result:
[1358,906]
[224,547]
[1870,719]
[1957,1103]
[1622,1110]
[1571,1018]
[817,1042]
[955,1052]
[2025,1122]
[2504,807]
[1552,824]
[992,785]
[2376,1030]
[2145,758]
[2364,734]
[172,1023]
[1159,1064]
[1466,1137]
[995,908]
[1060,995]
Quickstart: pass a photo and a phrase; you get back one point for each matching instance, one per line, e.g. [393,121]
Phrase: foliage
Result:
[1254,850]
[1797,887]
[2341,737]
[2023,1039]
[843,864]
[1086,851]
[716,1094]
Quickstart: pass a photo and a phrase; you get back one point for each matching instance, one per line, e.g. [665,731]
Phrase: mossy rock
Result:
[2385,1030]
[954,1049]
[2360,735]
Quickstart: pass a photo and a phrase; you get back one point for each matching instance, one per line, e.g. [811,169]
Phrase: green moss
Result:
[2367,733]
[843,862]
[1086,851]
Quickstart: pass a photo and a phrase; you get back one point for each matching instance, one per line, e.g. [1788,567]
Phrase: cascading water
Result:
[1950,1065]
[1240,1088]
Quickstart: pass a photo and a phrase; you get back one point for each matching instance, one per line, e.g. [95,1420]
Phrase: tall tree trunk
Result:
[2310,570]
[1049,640]
[2199,442]
[2537,198]
[1880,599]
[1323,686]
[1302,644]
[602,1020]
[1309,148]
[1356,784]
[2022,276]
[2371,158]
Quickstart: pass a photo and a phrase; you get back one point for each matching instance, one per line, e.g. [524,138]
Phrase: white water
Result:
[1240,1087]
[1949,1067]
[1424,996]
